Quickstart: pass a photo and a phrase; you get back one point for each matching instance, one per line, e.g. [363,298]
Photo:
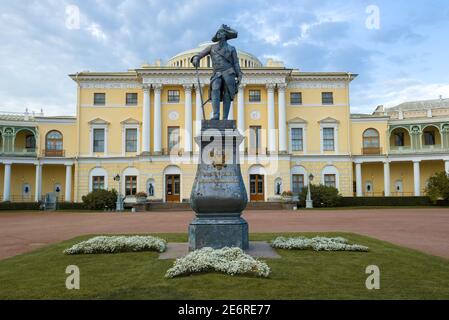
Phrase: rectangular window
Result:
[399,139]
[328,139]
[255,139]
[254,96]
[296,98]
[131,140]
[173,96]
[297,139]
[97,182]
[330,180]
[173,139]
[130,185]
[327,98]
[429,138]
[298,183]
[98,140]
[131,99]
[99,99]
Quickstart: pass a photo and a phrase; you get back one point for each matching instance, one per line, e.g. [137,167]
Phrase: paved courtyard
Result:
[422,229]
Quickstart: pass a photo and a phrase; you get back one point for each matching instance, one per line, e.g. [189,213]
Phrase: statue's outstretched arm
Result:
[196,58]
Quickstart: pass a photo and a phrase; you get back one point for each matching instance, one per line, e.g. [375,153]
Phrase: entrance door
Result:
[256,182]
[172,187]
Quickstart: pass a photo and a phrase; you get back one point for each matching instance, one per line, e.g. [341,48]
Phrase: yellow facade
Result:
[385,153]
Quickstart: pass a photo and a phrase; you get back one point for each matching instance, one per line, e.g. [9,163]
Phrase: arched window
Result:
[53,143]
[371,138]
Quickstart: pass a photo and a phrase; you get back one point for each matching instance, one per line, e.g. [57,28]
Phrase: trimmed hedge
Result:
[19,206]
[384,201]
[71,206]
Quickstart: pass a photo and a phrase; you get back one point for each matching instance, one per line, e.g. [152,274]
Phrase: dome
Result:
[182,60]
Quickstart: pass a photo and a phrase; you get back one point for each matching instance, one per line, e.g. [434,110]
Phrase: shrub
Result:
[438,187]
[19,205]
[71,206]
[384,201]
[287,194]
[322,196]
[227,260]
[100,199]
[141,195]
[317,244]
[116,244]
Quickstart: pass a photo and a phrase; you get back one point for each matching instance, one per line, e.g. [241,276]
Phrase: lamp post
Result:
[309,202]
[119,203]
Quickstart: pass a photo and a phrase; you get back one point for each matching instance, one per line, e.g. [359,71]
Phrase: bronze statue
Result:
[227,75]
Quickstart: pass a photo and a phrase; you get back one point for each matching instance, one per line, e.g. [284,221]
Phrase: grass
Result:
[405,274]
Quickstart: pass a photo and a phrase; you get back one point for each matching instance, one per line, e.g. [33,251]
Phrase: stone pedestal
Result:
[218,195]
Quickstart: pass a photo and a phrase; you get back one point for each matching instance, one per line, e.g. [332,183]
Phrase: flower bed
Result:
[227,260]
[115,244]
[317,244]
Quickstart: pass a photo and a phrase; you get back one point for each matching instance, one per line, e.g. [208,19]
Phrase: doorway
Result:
[173,188]
[257,187]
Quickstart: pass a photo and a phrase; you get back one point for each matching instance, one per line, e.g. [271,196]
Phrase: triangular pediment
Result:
[130,121]
[329,120]
[296,120]
[98,121]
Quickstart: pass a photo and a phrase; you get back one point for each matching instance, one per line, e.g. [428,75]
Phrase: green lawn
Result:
[405,274]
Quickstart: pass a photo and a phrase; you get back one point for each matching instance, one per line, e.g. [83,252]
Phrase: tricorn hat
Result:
[230,33]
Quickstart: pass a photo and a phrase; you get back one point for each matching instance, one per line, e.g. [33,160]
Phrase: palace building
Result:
[141,124]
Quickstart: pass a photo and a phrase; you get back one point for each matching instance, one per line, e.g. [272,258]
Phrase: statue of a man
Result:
[227,75]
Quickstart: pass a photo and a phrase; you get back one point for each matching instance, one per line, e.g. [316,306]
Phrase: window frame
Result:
[93,139]
[292,102]
[301,148]
[132,179]
[367,141]
[257,149]
[324,139]
[131,102]
[173,98]
[324,98]
[101,103]
[300,177]
[334,180]
[54,144]
[101,181]
[135,141]
[169,140]
[254,95]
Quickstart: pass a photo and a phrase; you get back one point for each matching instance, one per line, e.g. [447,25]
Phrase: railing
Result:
[25,152]
[371,150]
[53,153]
[29,198]
[423,148]
[400,149]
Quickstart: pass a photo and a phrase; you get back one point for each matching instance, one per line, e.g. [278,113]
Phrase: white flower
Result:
[114,244]
[317,244]
[227,260]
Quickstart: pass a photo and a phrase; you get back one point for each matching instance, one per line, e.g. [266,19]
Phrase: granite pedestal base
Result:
[218,232]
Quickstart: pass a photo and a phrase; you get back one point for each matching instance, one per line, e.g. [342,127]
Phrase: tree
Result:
[100,199]
[438,186]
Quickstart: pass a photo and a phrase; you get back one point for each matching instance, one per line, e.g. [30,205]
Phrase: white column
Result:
[446,166]
[157,119]
[198,112]
[68,182]
[38,186]
[146,119]
[7,182]
[416,178]
[281,116]
[358,179]
[387,178]
[271,119]
[241,113]
[188,118]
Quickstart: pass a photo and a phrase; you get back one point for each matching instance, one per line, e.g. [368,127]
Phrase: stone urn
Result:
[218,194]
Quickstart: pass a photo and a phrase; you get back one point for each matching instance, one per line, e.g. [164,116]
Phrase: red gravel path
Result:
[422,229]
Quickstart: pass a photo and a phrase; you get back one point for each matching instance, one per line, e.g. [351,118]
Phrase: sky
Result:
[399,48]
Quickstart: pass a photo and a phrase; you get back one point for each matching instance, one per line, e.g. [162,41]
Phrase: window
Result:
[99,99]
[399,139]
[98,140]
[53,144]
[30,142]
[429,138]
[131,140]
[371,138]
[173,138]
[296,98]
[327,98]
[97,182]
[330,180]
[173,96]
[254,96]
[297,183]
[328,139]
[131,99]
[130,185]
[297,139]
[255,137]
